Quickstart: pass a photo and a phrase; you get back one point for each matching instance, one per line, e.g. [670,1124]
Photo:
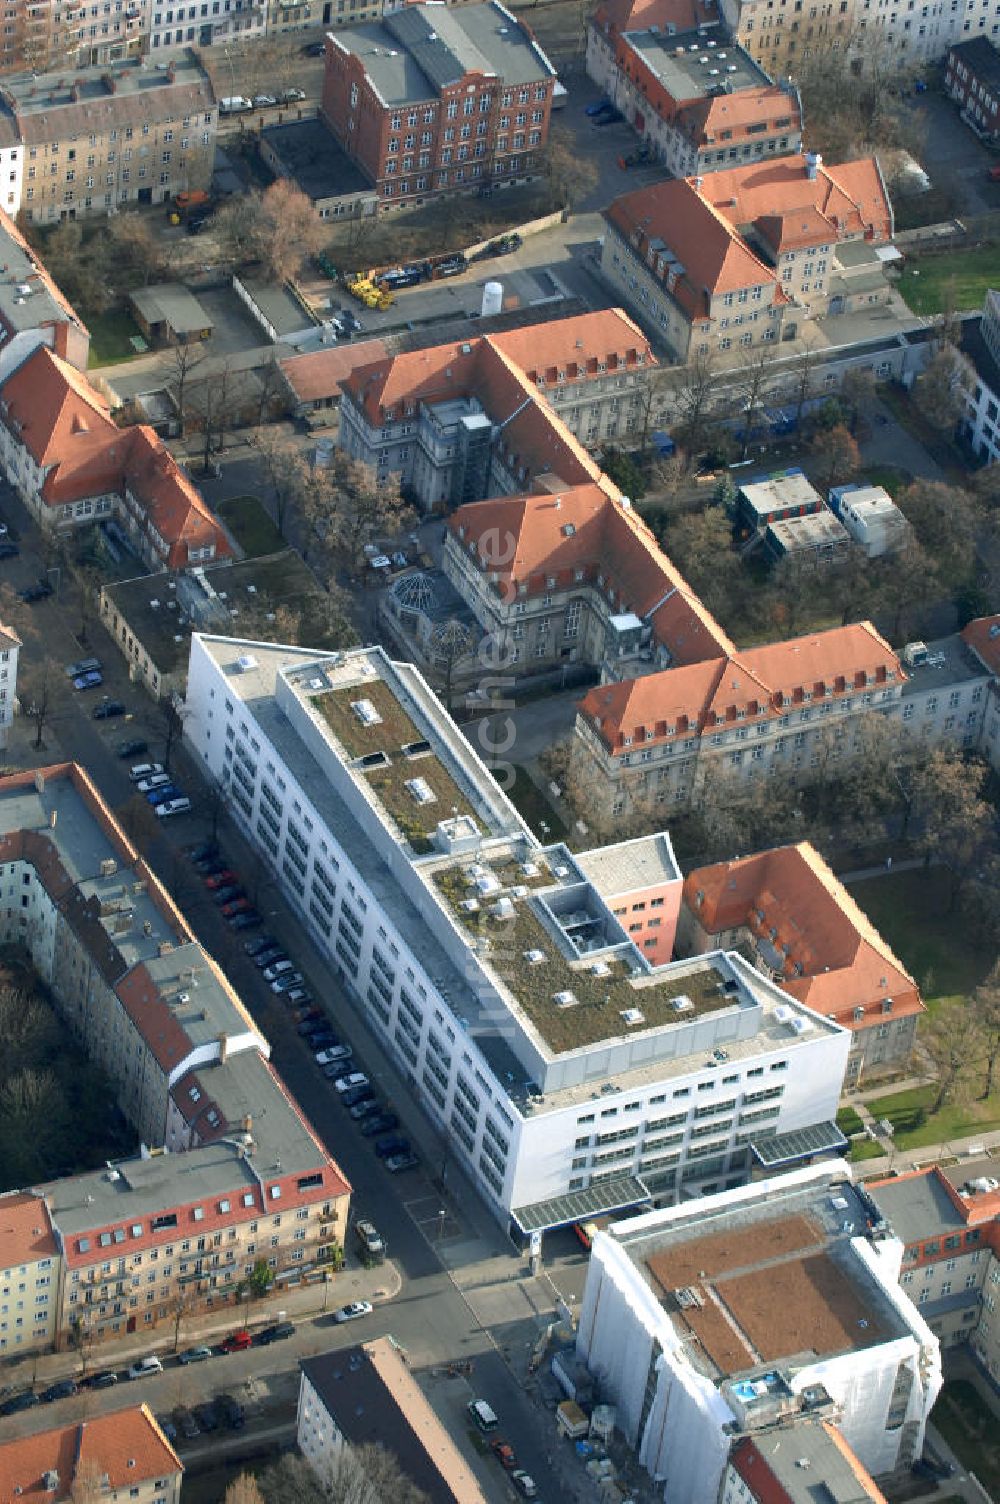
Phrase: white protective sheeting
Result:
[862,1383]
[622,1326]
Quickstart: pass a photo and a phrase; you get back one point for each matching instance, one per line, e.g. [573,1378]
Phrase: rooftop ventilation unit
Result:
[534,957]
[519,891]
[799,1025]
[246,663]
[529,869]
[316,684]
[682,1004]
[565,999]
[469,905]
[502,909]
[366,712]
[421,790]
[600,969]
[633,1016]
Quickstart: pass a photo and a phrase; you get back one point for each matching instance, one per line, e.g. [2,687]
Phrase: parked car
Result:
[381,1123]
[264,101]
[324,1040]
[142,771]
[194,1354]
[258,943]
[181,806]
[62,1389]
[226,894]
[206,1417]
[221,878]
[504,1453]
[524,1483]
[364,1108]
[230,1411]
[287,980]
[104,1378]
[160,796]
[272,972]
[269,954]
[296,997]
[108,710]
[168,1428]
[276,1333]
[203,852]
[349,1079]
[186,1424]
[393,1143]
[26,1400]
[310,1022]
[334,1053]
[237,1342]
[150,781]
[248,920]
[292,96]
[315,49]
[597,108]
[85,666]
[356,1094]
[9,551]
[611,118]
[238,906]
[90,680]
[397,1163]
[134,748]
[143,1367]
[354,1311]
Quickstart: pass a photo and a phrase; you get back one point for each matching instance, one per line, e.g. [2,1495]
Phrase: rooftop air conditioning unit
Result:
[682,1004]
[632,1017]
[366,712]
[534,957]
[565,999]
[469,905]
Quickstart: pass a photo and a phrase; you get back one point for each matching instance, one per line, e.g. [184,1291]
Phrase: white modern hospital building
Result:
[526,993]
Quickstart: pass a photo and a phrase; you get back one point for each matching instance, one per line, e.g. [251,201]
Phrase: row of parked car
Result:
[87,674]
[225,889]
[161,793]
[602,112]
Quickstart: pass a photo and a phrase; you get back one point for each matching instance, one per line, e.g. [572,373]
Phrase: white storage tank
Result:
[492,299]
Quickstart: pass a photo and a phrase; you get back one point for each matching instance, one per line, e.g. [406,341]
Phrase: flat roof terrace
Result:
[692,66]
[765,1291]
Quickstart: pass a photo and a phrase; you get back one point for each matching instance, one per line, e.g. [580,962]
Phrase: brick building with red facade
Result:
[430,100]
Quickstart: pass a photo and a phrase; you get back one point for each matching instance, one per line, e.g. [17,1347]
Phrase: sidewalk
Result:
[378,1285]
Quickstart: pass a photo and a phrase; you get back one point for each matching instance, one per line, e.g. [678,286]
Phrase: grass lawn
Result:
[532,805]
[970,1428]
[890,477]
[109,337]
[866,1148]
[910,910]
[849,1121]
[250,525]
[955,1119]
[958,280]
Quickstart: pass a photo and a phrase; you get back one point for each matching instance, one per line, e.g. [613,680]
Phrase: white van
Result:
[483,1415]
[235,104]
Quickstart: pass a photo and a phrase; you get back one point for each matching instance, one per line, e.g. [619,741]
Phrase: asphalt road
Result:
[471,1308]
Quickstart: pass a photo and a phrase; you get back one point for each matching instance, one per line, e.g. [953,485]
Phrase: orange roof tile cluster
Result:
[127,1446]
[66,427]
[616,16]
[834,959]
[983,637]
[25,1230]
[756,684]
[577,348]
[321,373]
[708,225]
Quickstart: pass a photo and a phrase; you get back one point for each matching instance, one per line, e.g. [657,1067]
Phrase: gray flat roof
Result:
[691,65]
[171,303]
[630,864]
[311,155]
[917,1207]
[413,53]
[809,1465]
[811,531]
[27,298]
[960,664]
[278,306]
[202,600]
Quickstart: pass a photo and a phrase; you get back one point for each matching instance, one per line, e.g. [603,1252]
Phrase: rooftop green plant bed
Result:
[417,821]
[394,730]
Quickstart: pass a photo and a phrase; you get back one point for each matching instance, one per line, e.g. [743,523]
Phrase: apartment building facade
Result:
[788,910]
[430,100]
[123,1454]
[736,260]
[30,1261]
[46,34]
[87,145]
[948,1220]
[10,647]
[461,422]
[72,465]
[699,100]
[459,939]
[207,23]
[230,1173]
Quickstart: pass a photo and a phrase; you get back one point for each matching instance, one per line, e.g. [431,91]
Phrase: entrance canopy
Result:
[579,1206]
[800,1143]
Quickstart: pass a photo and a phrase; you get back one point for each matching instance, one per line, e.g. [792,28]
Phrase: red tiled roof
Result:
[25,1230]
[983,637]
[126,1445]
[321,373]
[835,959]
[576,346]
[67,429]
[615,16]
[850,198]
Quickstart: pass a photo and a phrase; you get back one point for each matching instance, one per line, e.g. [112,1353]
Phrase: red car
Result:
[237,1342]
[221,879]
[504,1454]
[236,906]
